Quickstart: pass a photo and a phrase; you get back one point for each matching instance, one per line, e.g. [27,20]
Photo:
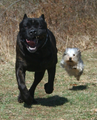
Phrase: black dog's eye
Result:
[40,26]
[25,26]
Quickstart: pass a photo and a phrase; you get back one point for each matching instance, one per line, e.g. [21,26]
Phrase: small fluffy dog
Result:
[72,62]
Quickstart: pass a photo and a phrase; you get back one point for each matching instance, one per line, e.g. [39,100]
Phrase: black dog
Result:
[35,51]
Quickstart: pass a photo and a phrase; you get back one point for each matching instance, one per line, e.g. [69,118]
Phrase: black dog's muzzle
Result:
[33,45]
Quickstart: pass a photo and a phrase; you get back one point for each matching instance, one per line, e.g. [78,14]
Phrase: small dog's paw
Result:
[74,67]
[48,89]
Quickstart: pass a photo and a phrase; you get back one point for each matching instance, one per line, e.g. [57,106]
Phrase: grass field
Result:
[74,24]
[67,102]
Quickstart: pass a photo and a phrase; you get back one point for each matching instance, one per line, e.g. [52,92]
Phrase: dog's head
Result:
[33,32]
[71,56]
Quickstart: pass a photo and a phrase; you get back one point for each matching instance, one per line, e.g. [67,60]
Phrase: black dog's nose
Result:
[32,32]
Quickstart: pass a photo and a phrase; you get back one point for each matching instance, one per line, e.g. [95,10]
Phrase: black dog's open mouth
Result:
[33,44]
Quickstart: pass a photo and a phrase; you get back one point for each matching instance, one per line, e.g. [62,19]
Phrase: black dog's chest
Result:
[38,62]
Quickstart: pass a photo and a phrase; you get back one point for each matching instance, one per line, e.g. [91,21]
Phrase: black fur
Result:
[35,51]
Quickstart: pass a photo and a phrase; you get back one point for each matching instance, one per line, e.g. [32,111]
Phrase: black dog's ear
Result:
[42,16]
[25,16]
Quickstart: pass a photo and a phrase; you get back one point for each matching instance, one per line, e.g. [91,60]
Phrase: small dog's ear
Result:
[79,51]
[64,53]
[42,16]
[66,49]
[25,16]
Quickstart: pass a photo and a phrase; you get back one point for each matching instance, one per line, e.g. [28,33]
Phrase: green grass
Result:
[67,102]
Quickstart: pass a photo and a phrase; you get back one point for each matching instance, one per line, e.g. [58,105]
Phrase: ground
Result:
[74,24]
[71,99]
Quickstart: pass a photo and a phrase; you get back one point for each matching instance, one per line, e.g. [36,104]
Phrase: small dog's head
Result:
[71,56]
[33,32]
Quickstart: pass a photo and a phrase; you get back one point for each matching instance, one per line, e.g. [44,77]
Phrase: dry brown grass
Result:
[73,22]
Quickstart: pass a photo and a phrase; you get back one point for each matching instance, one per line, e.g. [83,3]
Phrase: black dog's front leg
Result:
[24,95]
[51,75]
[37,78]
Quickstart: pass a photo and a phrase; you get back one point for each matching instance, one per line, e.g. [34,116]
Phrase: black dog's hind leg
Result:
[37,78]
[51,75]
[24,95]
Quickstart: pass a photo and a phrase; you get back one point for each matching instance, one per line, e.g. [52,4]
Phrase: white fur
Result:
[75,66]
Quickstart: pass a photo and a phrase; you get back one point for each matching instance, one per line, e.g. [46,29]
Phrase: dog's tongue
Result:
[31,43]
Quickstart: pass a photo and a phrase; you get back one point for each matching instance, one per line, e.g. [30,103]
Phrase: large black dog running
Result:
[35,51]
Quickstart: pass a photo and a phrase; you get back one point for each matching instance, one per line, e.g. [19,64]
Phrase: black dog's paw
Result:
[20,100]
[29,105]
[48,89]
[31,101]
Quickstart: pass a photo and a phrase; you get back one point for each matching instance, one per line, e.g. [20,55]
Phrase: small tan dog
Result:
[72,62]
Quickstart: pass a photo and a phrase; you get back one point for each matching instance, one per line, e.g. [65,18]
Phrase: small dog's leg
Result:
[37,78]
[51,75]
[74,67]
[62,63]
[77,78]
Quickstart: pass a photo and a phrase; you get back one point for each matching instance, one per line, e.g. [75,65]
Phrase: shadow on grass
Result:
[27,106]
[52,101]
[80,87]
